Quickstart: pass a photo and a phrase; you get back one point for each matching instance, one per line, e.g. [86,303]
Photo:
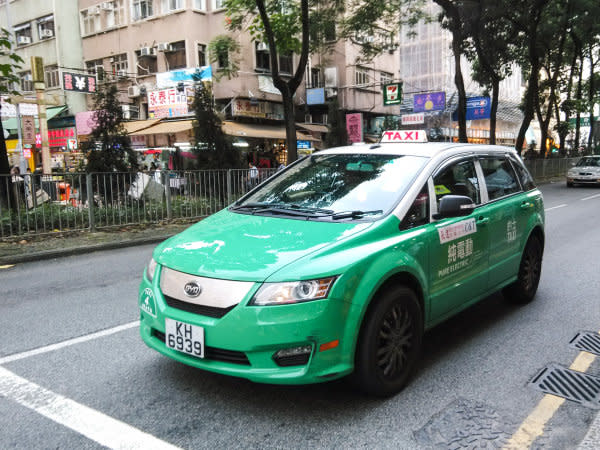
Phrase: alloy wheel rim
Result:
[531,270]
[395,339]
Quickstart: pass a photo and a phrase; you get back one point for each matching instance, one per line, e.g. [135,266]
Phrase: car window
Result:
[588,161]
[457,179]
[500,178]
[524,175]
[418,213]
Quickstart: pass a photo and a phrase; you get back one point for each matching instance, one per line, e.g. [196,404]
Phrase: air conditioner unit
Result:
[107,6]
[262,47]
[23,40]
[330,92]
[46,33]
[133,91]
[146,51]
[163,46]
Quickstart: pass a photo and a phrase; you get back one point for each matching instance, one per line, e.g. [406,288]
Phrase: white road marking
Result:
[556,207]
[67,343]
[591,197]
[93,424]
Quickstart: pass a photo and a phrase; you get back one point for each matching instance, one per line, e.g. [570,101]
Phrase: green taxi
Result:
[337,265]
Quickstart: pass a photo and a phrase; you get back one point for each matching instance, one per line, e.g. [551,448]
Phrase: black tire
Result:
[389,342]
[569,184]
[523,290]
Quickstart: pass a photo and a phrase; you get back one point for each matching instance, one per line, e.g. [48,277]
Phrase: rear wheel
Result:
[523,290]
[389,343]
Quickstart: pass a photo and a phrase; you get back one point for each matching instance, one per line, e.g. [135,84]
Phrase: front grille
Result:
[203,310]
[214,354]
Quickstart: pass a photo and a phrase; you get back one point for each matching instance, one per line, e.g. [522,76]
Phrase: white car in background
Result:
[586,171]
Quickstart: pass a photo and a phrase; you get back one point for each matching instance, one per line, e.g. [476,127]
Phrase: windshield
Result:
[339,186]
[589,162]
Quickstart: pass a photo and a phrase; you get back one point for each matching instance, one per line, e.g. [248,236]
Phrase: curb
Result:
[591,440]
[59,253]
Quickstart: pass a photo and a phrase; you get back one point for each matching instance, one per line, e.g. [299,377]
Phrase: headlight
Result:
[150,269]
[292,292]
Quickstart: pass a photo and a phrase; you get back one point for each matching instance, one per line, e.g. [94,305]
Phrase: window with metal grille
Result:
[361,76]
[385,77]
[23,34]
[90,21]
[171,5]
[176,56]
[26,81]
[141,9]
[51,76]
[146,64]
[45,26]
[202,55]
[119,65]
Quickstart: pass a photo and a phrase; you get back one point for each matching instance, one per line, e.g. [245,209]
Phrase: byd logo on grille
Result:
[192,289]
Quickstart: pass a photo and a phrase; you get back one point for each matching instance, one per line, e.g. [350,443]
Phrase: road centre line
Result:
[7,266]
[533,426]
[90,423]
[69,342]
[590,197]
[556,207]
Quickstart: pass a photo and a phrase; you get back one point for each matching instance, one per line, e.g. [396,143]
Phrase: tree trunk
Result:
[460,87]
[494,110]
[591,92]
[578,98]
[290,125]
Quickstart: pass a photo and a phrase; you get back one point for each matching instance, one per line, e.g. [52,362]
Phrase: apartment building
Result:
[50,30]
[151,47]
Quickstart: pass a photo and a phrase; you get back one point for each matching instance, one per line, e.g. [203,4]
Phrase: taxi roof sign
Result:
[404,136]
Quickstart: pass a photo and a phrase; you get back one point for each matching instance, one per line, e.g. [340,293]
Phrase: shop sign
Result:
[57,138]
[174,77]
[315,96]
[257,109]
[26,153]
[392,94]
[477,108]
[72,144]
[10,110]
[138,141]
[412,119]
[302,144]
[583,121]
[28,123]
[433,101]
[79,83]
[354,127]
[167,103]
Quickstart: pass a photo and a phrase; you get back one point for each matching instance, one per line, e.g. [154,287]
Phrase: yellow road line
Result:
[533,426]
[7,266]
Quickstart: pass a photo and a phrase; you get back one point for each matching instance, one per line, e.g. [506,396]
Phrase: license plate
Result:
[184,337]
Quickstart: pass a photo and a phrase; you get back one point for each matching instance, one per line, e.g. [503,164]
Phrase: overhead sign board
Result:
[79,83]
[477,108]
[174,77]
[167,103]
[315,96]
[432,101]
[392,94]
[412,119]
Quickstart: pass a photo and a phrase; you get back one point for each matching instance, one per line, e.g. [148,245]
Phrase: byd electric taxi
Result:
[337,265]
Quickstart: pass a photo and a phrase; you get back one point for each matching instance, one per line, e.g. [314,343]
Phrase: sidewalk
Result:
[57,245]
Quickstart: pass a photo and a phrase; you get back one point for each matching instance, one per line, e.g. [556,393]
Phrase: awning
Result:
[313,127]
[246,130]
[51,112]
[138,125]
[166,128]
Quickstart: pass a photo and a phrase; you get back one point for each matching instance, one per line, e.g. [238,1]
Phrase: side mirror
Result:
[454,206]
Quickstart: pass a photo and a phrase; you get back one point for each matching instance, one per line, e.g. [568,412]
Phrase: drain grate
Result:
[587,341]
[576,386]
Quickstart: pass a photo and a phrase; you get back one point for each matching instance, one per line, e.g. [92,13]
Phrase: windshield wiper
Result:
[283,209]
[354,214]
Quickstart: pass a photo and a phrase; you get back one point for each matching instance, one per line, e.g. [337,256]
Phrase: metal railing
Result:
[66,202]
[38,204]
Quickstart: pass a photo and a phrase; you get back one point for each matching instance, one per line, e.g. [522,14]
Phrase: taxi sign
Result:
[404,136]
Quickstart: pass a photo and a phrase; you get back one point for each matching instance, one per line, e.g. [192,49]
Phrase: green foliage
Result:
[224,51]
[8,69]
[109,145]
[213,149]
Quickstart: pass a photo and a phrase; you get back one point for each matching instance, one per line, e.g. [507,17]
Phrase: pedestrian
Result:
[252,179]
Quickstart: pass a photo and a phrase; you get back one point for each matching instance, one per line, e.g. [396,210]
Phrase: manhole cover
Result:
[587,341]
[576,386]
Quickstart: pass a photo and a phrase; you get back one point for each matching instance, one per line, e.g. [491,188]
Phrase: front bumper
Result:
[583,179]
[243,342]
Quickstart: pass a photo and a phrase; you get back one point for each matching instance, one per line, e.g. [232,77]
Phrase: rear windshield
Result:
[342,183]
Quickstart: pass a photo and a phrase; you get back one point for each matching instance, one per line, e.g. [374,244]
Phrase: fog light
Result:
[294,356]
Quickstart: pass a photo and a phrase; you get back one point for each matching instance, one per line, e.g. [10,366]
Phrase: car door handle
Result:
[482,220]
[526,205]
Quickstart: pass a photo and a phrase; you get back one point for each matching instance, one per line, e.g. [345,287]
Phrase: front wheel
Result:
[523,290]
[389,343]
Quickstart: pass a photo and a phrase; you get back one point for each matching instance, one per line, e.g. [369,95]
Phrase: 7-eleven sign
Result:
[392,94]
